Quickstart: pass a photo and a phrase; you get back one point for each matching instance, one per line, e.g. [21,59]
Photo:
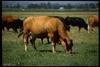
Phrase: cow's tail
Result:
[20,34]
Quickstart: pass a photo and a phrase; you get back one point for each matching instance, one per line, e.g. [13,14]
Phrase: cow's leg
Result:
[63,45]
[15,29]
[53,47]
[92,28]
[32,40]
[48,40]
[20,29]
[7,28]
[89,28]
[50,35]
[80,29]
[25,37]
[71,45]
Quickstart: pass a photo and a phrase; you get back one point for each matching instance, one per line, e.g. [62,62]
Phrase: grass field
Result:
[64,14]
[85,49]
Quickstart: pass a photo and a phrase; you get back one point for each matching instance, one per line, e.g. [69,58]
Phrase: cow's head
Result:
[69,45]
[86,26]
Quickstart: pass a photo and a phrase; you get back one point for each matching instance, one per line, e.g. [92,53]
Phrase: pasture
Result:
[85,49]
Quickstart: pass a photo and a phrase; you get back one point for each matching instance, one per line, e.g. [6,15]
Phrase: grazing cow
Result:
[76,21]
[11,22]
[45,26]
[67,28]
[92,22]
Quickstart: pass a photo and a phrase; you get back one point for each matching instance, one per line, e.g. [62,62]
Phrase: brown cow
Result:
[43,26]
[67,28]
[92,22]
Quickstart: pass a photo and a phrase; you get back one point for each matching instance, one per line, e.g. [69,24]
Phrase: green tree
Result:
[69,6]
[92,5]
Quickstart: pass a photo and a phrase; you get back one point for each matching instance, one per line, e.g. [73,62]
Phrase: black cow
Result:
[76,21]
[11,22]
[15,25]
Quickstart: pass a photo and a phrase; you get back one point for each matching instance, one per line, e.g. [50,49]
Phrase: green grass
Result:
[85,50]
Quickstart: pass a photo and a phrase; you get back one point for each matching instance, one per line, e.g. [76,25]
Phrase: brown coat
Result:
[43,26]
[92,22]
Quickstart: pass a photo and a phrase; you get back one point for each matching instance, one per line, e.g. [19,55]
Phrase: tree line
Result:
[55,6]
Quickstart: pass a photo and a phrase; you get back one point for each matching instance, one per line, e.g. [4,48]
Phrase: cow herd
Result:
[54,28]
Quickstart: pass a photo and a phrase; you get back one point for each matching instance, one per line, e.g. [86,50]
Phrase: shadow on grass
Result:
[75,53]
[46,51]
[58,51]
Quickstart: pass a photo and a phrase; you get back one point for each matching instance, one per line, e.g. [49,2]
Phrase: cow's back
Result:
[9,18]
[42,24]
[35,23]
